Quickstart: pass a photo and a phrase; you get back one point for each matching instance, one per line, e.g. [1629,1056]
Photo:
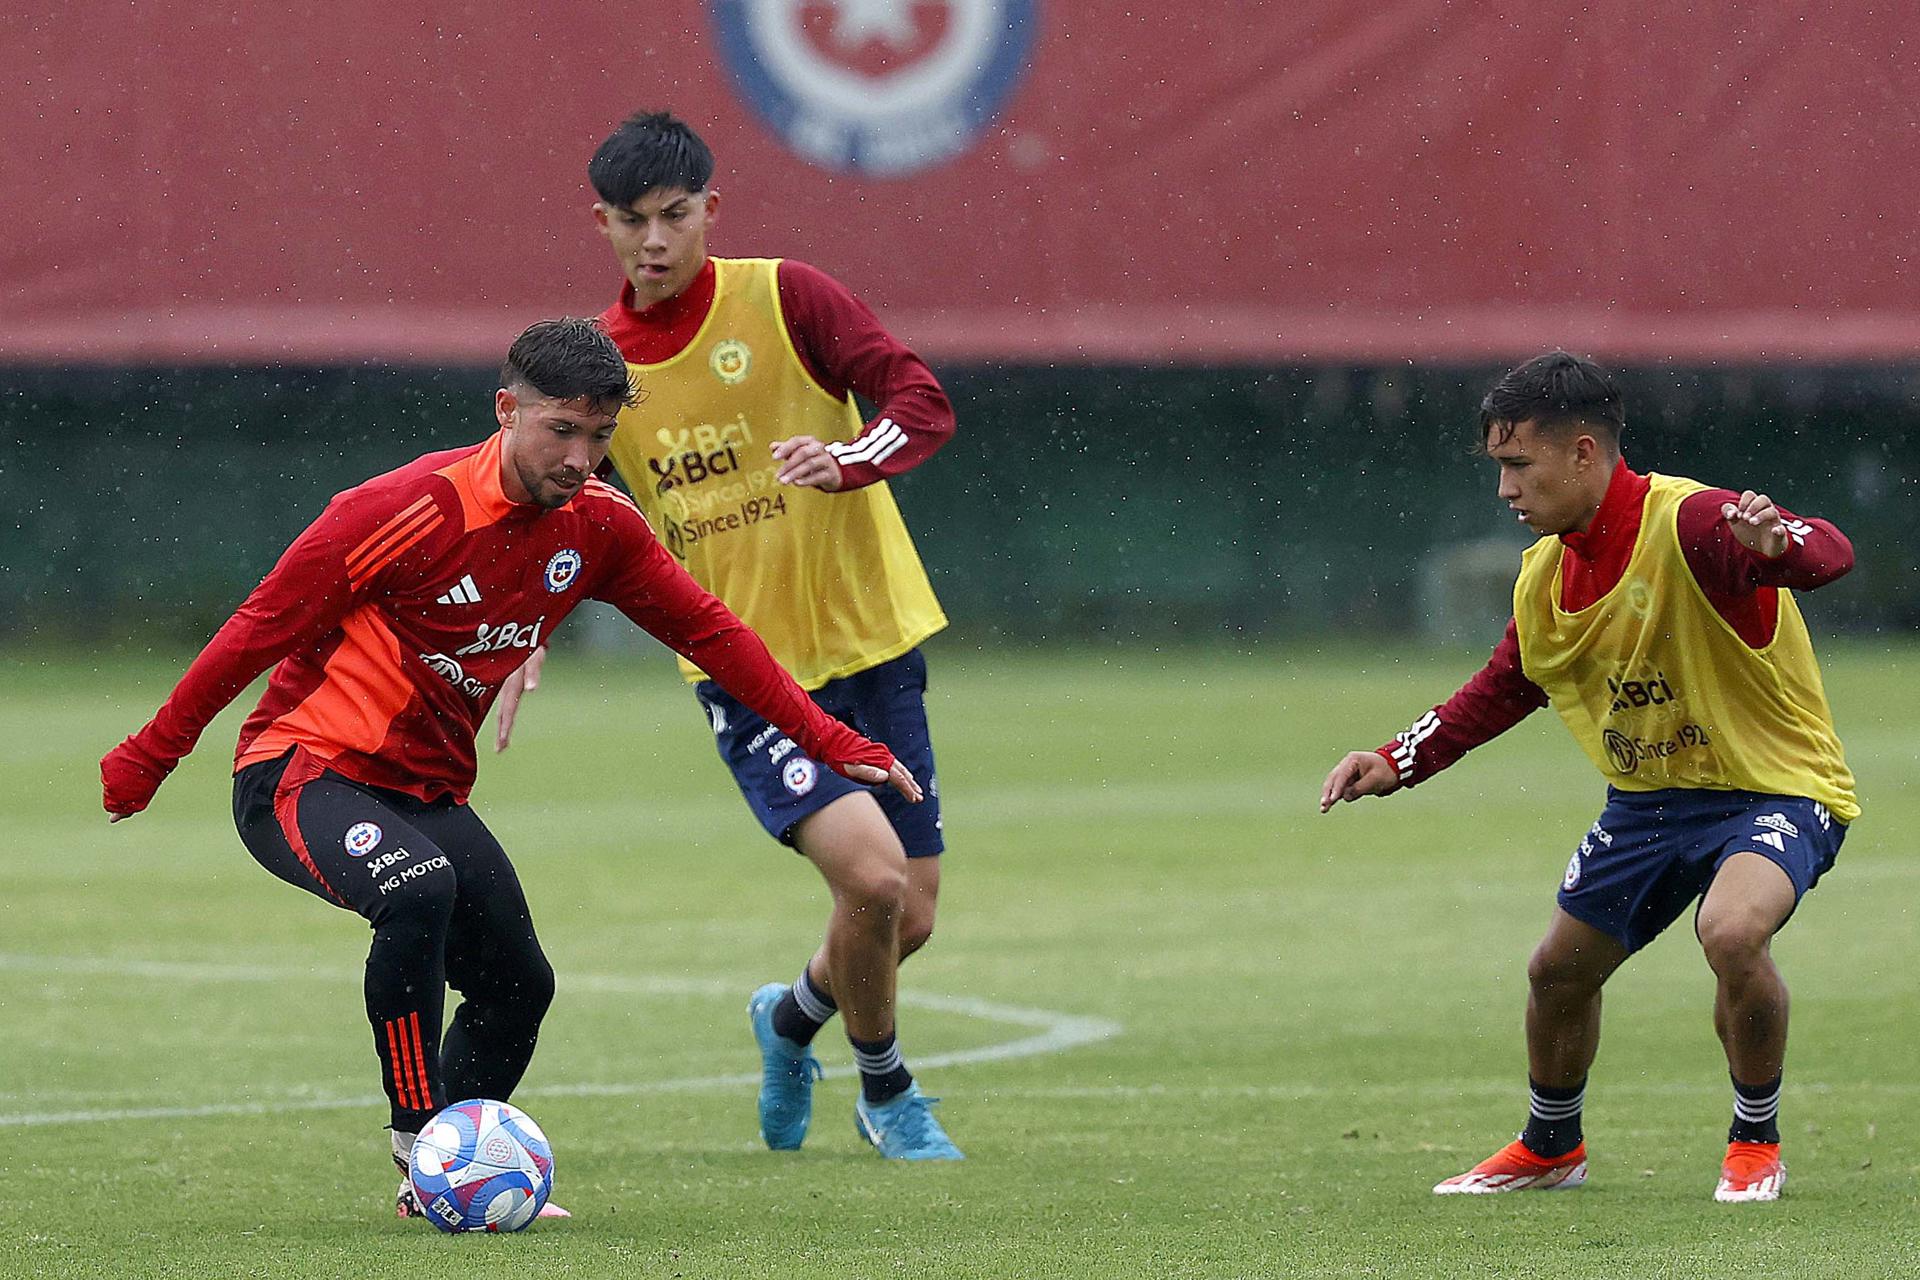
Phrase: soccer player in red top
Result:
[1656,616]
[393,619]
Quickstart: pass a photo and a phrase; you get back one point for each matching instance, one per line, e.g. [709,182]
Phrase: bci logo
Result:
[1641,693]
[699,452]
[692,467]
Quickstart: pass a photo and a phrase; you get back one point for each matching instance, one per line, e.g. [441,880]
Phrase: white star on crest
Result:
[857,21]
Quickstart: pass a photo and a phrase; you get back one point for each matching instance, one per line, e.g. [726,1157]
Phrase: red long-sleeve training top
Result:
[397,614]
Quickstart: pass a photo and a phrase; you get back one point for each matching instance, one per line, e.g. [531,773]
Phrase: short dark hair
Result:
[1554,391]
[567,359]
[650,151]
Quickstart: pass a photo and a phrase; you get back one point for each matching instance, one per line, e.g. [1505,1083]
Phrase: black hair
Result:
[650,151]
[567,359]
[1554,391]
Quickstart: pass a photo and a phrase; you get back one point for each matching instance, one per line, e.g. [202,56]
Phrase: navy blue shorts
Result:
[1653,853]
[782,785]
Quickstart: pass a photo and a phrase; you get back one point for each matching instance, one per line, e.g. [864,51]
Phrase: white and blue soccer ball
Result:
[482,1166]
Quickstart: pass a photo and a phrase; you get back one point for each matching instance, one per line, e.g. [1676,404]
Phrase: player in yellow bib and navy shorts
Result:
[749,456]
[1656,616]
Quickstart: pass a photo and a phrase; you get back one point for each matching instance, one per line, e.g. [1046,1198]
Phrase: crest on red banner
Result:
[885,87]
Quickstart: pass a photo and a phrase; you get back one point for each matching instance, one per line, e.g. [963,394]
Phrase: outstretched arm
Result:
[651,588]
[1498,697]
[306,596]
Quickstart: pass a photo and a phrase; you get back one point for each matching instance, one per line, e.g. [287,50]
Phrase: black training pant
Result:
[446,910]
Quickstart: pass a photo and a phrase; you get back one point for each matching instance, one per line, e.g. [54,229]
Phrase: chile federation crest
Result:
[881,87]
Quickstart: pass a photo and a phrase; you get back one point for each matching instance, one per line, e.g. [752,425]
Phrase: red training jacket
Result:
[397,614]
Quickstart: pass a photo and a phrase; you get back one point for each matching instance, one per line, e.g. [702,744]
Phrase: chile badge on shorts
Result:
[883,87]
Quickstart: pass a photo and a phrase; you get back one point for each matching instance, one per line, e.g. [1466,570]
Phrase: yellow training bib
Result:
[1660,692]
[831,581]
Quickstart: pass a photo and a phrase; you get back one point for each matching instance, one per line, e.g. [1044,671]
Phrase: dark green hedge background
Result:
[1078,503]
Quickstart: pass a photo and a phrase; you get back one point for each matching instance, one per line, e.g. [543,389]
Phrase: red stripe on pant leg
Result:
[399,1077]
[301,770]
[420,1061]
[404,1066]
[408,1069]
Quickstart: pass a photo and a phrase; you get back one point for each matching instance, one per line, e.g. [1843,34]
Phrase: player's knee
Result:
[916,930]
[877,889]
[514,992]
[1733,939]
[1551,971]
[533,989]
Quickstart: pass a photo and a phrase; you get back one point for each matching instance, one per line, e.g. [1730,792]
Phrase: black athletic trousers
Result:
[446,910]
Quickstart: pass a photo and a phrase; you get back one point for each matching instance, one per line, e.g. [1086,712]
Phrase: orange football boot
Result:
[1752,1171]
[1514,1168]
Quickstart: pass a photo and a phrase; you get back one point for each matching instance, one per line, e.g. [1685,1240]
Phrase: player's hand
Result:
[805,461]
[895,776]
[525,680]
[1362,773]
[1757,524]
[129,775]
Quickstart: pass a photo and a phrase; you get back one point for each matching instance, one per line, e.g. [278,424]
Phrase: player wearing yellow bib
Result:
[1656,616]
[749,456]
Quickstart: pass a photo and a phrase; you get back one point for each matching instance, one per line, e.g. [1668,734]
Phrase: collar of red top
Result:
[1618,516]
[481,490]
[690,302]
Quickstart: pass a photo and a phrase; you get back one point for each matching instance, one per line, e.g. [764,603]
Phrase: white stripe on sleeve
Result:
[884,438]
[1407,742]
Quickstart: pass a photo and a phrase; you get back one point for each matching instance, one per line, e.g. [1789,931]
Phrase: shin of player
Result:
[1656,616]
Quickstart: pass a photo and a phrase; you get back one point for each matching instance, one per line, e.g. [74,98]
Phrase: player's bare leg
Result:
[1749,900]
[872,881]
[883,907]
[1747,903]
[916,920]
[860,857]
[858,854]
[1564,980]
[922,902]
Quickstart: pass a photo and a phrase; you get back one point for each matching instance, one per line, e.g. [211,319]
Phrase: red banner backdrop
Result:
[1025,180]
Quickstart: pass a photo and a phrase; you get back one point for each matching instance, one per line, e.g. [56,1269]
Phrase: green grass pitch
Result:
[1183,1025]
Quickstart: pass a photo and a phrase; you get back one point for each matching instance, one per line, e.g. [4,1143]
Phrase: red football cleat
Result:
[1514,1168]
[1752,1171]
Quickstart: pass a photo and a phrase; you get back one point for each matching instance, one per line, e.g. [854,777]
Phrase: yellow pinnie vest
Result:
[1658,689]
[831,581]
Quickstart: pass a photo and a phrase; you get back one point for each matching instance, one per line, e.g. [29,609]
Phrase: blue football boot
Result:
[903,1127]
[787,1073]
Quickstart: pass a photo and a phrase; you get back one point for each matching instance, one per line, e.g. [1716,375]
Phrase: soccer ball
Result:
[482,1166]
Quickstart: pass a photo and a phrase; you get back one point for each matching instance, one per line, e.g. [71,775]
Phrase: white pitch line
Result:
[1055,1033]
[1429,1089]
